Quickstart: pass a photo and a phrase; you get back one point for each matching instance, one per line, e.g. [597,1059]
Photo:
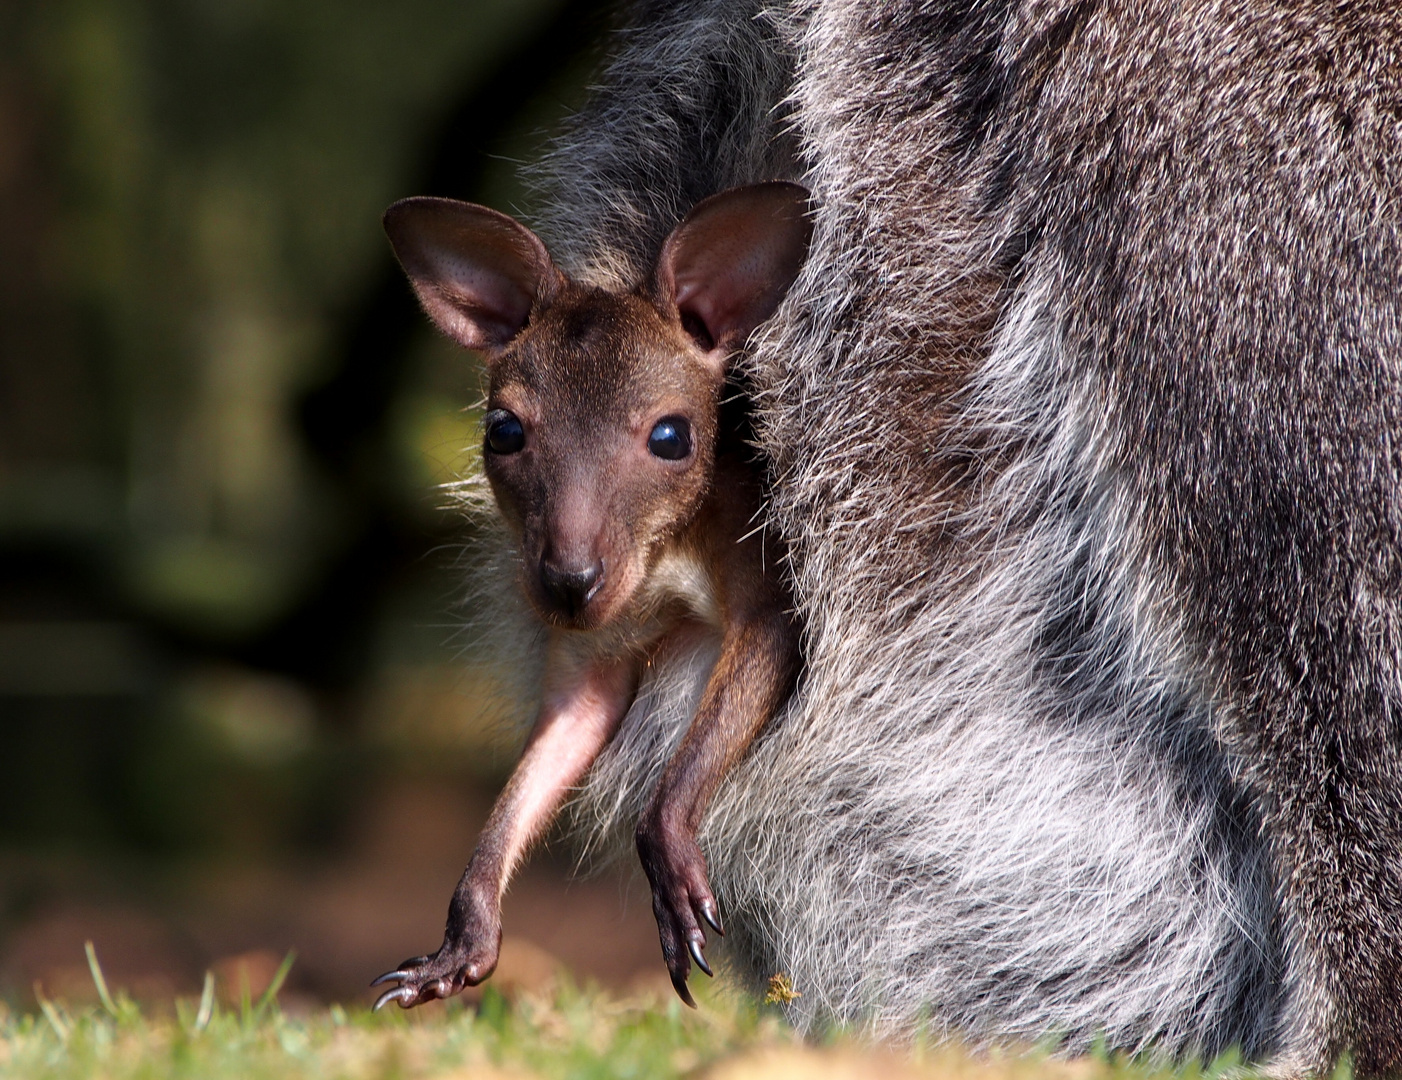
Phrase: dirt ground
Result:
[349,919]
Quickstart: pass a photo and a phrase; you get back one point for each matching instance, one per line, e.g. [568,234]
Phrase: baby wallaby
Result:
[633,503]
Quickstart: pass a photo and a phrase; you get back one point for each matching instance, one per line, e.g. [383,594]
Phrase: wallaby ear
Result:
[477,272]
[729,263]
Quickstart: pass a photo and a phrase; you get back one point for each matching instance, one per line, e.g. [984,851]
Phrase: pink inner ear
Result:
[731,261]
[713,311]
[476,272]
[486,306]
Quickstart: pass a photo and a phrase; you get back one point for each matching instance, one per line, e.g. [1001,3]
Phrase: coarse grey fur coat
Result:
[1083,430]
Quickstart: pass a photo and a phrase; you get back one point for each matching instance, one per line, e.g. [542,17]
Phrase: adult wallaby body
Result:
[1083,418]
[631,497]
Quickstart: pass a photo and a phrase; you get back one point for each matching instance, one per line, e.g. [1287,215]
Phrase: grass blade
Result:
[206,1010]
[99,980]
[279,977]
[52,1015]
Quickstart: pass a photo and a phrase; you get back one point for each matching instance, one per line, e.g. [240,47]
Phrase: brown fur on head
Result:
[602,406]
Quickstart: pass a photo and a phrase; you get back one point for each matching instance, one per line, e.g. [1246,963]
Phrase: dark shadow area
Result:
[235,714]
[344,419]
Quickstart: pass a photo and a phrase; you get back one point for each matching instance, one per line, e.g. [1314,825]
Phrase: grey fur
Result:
[1083,423]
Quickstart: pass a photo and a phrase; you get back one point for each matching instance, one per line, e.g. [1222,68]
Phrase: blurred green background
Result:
[231,691]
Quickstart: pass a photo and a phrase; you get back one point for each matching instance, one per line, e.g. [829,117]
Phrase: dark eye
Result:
[670,438]
[505,435]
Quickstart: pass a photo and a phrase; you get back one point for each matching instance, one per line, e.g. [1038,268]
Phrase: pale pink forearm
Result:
[580,714]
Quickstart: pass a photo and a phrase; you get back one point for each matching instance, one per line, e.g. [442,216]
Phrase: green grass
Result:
[568,1033]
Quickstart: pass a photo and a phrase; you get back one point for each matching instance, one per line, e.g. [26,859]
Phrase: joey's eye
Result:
[670,438]
[505,435]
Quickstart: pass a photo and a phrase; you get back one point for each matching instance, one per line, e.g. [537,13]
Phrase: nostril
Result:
[571,589]
[590,578]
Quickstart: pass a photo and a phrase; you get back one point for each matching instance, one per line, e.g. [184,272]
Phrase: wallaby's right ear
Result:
[729,263]
[478,273]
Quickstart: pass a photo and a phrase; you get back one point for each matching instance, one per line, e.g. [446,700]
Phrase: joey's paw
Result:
[427,978]
[681,901]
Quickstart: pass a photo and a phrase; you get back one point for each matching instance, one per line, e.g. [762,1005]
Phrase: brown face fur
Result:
[589,378]
[581,377]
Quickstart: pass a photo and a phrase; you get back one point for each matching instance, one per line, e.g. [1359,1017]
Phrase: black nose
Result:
[568,589]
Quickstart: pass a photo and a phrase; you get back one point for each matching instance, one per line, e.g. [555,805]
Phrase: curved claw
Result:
[711,914]
[400,994]
[392,976]
[679,985]
[694,947]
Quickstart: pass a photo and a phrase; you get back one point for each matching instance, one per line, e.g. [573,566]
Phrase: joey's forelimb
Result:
[584,701]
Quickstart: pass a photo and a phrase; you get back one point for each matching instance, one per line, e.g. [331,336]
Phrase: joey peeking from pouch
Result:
[633,503]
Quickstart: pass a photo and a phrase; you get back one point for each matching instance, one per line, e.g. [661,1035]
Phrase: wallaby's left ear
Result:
[478,273]
[732,259]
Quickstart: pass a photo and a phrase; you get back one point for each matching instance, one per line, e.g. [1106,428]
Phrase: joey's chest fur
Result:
[682,582]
